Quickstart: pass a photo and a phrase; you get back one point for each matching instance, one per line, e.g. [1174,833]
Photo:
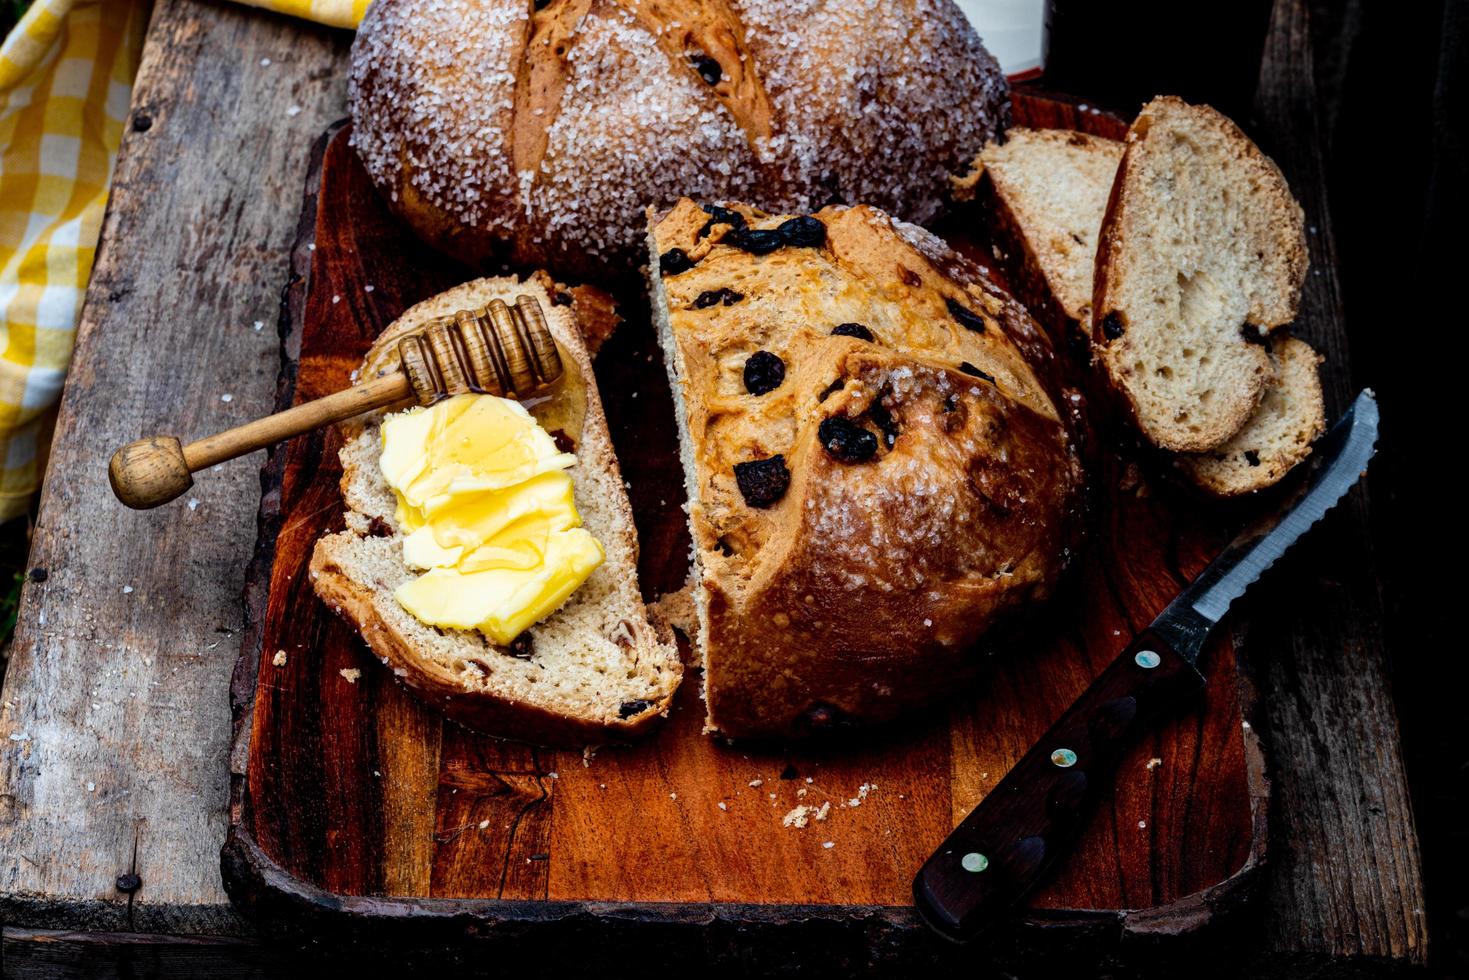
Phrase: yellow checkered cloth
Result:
[66,74]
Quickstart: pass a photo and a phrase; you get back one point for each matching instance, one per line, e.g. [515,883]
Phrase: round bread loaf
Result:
[537,131]
[878,459]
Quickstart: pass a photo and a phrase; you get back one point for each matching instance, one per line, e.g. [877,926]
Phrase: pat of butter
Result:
[488,512]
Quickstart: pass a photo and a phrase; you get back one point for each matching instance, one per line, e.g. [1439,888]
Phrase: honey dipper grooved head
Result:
[497,350]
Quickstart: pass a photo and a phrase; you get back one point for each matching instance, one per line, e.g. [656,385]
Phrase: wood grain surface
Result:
[349,783]
[122,652]
[203,211]
[1350,845]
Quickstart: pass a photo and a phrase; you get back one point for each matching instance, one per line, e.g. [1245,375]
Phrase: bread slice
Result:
[877,465]
[593,671]
[1202,253]
[1279,435]
[1048,190]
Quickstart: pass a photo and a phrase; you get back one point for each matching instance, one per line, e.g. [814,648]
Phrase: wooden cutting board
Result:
[354,805]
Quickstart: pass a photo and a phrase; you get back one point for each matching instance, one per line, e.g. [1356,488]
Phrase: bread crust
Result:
[437,687]
[864,591]
[372,610]
[535,137]
[1291,417]
[1069,328]
[1273,311]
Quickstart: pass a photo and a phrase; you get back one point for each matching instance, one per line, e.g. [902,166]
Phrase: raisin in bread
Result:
[1048,191]
[539,132]
[593,671]
[1202,254]
[876,468]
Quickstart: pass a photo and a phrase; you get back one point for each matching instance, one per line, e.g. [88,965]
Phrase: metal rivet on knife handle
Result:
[1034,814]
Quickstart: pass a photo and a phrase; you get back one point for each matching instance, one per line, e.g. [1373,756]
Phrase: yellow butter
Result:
[488,512]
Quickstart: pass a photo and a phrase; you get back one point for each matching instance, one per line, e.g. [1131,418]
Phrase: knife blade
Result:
[1034,815]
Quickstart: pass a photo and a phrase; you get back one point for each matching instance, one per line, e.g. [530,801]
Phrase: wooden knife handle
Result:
[155,470]
[1037,811]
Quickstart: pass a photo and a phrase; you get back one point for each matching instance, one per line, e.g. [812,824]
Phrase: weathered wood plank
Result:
[115,719]
[47,954]
[1345,879]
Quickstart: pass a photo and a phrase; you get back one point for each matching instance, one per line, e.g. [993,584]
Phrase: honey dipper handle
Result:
[157,469]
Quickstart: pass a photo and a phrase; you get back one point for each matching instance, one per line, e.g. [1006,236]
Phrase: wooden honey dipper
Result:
[497,350]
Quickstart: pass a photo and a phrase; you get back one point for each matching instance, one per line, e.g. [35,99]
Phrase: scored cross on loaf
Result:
[539,131]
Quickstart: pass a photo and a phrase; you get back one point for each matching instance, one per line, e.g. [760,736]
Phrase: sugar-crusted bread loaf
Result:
[593,671]
[1279,435]
[876,467]
[1202,253]
[538,132]
[1048,191]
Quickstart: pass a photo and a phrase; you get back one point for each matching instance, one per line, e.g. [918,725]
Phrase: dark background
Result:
[1390,79]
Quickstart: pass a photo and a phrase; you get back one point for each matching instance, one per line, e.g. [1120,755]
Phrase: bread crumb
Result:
[1154,763]
[862,792]
[723,807]
[483,824]
[756,783]
[279,659]
[673,796]
[677,610]
[797,817]
[829,844]
[1142,825]
[351,674]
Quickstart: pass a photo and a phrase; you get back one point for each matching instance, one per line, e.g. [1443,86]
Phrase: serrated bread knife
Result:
[1035,814]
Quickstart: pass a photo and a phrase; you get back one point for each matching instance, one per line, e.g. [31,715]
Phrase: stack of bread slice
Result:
[1180,254]
[595,670]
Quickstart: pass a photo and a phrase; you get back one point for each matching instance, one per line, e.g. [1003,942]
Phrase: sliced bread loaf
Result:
[594,670]
[1048,190]
[1279,435]
[1202,253]
[877,464]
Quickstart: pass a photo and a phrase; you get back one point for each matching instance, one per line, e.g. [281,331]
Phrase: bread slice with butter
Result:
[596,669]
[1047,190]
